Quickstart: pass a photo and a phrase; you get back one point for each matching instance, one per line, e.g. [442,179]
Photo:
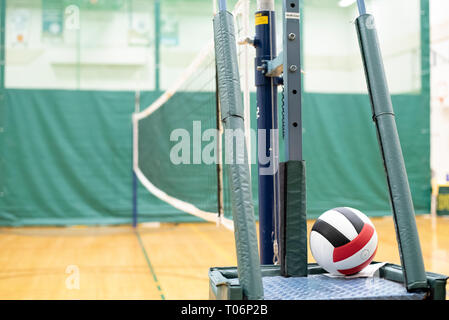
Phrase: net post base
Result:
[224,285]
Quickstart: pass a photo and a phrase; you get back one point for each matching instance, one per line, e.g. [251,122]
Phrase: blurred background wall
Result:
[73,69]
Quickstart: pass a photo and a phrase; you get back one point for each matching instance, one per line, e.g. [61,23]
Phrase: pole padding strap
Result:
[399,190]
[248,262]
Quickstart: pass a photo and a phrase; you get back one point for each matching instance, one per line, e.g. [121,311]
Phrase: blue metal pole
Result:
[362,7]
[222,5]
[267,125]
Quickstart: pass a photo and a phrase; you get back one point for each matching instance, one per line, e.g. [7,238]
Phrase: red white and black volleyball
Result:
[343,241]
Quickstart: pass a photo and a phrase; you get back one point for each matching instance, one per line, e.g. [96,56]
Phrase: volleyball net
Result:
[177,141]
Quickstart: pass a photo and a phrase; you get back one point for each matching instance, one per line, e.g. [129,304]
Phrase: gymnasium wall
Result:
[440,91]
[65,124]
[67,155]
[107,48]
[344,165]
[331,52]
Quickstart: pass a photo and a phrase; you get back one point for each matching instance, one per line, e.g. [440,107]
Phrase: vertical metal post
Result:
[135,209]
[293,220]
[2,46]
[292,81]
[222,5]
[245,77]
[157,43]
[267,125]
[134,161]
[362,7]
[135,184]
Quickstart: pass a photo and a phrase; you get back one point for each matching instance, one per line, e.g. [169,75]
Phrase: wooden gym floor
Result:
[168,261]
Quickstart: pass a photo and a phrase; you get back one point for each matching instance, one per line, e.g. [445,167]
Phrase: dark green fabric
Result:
[66,159]
[343,162]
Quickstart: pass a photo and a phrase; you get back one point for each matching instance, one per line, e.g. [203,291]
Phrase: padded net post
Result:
[232,116]
[399,190]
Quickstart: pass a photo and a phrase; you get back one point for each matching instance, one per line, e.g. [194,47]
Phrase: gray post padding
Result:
[232,116]
[293,249]
[384,118]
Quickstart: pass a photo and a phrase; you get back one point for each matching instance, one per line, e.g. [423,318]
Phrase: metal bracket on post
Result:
[275,67]
[287,218]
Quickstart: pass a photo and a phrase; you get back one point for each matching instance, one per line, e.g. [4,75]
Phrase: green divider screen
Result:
[344,164]
[66,157]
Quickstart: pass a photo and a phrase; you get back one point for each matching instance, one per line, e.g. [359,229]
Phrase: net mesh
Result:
[178,141]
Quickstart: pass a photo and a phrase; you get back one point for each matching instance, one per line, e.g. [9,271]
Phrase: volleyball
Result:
[343,241]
